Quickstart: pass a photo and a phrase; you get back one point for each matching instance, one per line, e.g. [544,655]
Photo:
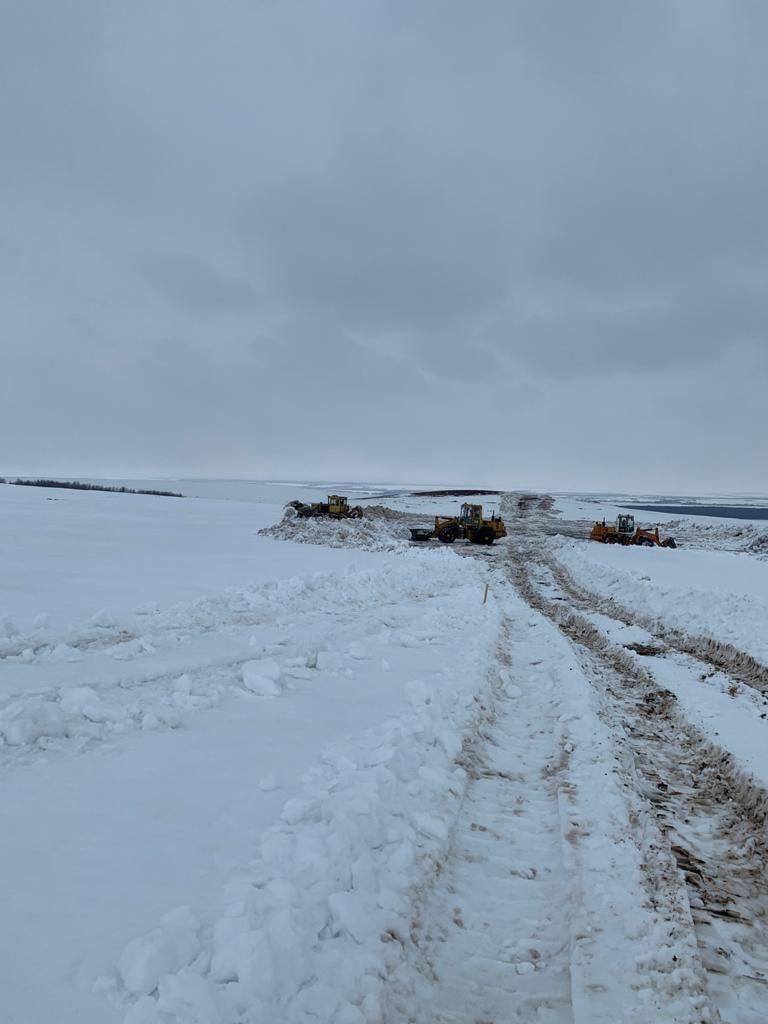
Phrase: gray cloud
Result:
[272,239]
[195,287]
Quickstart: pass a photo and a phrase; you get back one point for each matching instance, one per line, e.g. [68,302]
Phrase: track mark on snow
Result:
[496,933]
[712,815]
[723,657]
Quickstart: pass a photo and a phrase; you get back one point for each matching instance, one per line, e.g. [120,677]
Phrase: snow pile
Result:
[378,530]
[168,948]
[82,714]
[316,922]
[716,535]
[758,546]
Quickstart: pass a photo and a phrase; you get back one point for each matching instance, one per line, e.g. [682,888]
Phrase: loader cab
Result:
[625,525]
[337,503]
[471,515]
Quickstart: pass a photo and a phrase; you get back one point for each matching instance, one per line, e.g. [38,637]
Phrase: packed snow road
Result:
[496,933]
[696,750]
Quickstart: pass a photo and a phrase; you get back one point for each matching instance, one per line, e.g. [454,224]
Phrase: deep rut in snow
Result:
[713,817]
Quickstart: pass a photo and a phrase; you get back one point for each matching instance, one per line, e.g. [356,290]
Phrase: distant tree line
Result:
[77,485]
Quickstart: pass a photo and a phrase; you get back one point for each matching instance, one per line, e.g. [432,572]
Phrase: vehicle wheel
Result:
[485,535]
[447,535]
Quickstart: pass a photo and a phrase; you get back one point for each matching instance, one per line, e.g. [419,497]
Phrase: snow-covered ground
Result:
[142,763]
[320,775]
[69,555]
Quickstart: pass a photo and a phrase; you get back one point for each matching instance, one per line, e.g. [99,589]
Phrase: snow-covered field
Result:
[168,679]
[322,775]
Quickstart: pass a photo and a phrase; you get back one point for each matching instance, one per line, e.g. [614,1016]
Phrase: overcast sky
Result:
[501,243]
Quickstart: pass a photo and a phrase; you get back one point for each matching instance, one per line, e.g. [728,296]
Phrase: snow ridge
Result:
[314,926]
[114,691]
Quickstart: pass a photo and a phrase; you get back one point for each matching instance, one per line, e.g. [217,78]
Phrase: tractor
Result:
[337,507]
[469,525]
[623,531]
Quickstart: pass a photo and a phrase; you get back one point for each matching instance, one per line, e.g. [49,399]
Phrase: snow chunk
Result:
[82,701]
[261,677]
[148,959]
[244,957]
[26,722]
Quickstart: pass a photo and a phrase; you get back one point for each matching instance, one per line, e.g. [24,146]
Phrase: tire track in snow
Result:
[713,817]
[669,664]
[495,932]
[722,657]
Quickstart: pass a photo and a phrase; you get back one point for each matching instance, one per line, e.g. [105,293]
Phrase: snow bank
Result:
[379,530]
[314,923]
[758,546]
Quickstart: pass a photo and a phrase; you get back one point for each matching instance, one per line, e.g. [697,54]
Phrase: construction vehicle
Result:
[624,531]
[619,532]
[337,507]
[469,525]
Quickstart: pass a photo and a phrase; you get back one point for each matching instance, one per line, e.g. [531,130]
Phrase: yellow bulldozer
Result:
[469,525]
[624,531]
[337,507]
